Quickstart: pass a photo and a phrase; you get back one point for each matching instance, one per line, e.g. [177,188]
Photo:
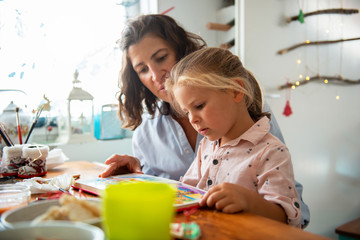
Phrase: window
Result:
[43,42]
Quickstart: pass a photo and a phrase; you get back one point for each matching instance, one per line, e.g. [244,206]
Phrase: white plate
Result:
[53,230]
[11,218]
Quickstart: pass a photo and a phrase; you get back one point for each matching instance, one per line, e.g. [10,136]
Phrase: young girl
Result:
[242,165]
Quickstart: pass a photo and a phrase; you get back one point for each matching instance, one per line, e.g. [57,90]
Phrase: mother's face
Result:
[152,59]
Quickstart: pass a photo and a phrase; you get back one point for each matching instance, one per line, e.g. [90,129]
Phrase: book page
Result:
[186,195]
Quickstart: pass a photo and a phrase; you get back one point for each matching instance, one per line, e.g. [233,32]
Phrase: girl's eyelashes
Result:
[196,107]
[200,106]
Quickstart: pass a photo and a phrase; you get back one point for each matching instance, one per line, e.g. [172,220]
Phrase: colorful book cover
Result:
[186,196]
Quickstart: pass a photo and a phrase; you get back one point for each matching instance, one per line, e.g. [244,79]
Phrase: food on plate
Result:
[71,209]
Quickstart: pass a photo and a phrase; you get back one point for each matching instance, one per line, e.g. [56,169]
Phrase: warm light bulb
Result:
[293,87]
[298,61]
[300,76]
[337,97]
[297,83]
[307,41]
[307,78]
[325,80]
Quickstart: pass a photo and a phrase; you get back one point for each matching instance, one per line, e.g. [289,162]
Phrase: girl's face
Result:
[213,113]
[152,59]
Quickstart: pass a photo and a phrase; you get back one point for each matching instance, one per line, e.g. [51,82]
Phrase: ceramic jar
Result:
[8,118]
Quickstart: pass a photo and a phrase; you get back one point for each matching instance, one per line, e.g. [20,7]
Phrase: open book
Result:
[186,196]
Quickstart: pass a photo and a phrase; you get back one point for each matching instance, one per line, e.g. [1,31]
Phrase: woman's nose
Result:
[157,75]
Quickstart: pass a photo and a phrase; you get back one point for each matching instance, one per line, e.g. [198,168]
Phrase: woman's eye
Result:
[143,70]
[162,58]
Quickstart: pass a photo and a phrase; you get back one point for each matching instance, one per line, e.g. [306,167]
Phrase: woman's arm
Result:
[121,164]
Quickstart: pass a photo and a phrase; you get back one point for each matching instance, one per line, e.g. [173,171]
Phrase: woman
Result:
[163,144]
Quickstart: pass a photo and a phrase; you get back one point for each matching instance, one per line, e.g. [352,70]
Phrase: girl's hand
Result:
[231,198]
[121,164]
[228,197]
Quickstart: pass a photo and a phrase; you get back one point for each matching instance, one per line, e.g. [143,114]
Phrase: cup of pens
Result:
[18,157]
[15,125]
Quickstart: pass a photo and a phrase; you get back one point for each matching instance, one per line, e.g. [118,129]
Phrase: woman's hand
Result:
[121,164]
[227,197]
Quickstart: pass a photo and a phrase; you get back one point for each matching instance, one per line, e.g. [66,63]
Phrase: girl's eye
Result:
[200,106]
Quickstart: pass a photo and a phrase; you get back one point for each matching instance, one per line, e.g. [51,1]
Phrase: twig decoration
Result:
[315,43]
[228,44]
[325,11]
[220,26]
[329,79]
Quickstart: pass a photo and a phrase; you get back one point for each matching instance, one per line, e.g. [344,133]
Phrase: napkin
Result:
[43,185]
[55,158]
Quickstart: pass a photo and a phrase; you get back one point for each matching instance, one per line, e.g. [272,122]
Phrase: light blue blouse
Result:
[163,149]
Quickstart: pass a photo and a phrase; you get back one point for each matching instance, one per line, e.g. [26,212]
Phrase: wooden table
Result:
[350,230]
[213,224]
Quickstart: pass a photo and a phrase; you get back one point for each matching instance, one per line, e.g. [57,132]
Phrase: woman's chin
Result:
[162,94]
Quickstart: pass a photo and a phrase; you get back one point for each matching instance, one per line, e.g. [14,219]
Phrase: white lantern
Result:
[80,114]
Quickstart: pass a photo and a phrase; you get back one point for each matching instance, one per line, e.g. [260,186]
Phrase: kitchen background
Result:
[42,43]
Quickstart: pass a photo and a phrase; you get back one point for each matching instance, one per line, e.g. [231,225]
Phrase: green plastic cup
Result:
[141,210]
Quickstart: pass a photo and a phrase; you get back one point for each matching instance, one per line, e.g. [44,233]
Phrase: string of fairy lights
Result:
[310,75]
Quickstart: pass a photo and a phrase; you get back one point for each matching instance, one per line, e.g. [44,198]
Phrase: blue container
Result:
[107,124]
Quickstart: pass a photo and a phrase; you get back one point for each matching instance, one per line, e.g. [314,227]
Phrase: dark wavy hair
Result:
[134,97]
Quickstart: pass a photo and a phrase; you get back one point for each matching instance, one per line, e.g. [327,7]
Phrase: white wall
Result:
[194,15]
[322,133]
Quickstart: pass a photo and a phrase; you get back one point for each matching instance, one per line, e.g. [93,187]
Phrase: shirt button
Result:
[187,151]
[180,133]
[215,161]
[209,182]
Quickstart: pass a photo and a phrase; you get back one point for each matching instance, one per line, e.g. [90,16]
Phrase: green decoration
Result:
[301,16]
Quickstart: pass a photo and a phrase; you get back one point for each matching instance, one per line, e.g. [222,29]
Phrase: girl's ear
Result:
[238,96]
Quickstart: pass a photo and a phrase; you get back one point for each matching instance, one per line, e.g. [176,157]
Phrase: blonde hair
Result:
[217,69]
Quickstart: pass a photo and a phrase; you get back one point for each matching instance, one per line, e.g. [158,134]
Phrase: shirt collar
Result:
[254,134]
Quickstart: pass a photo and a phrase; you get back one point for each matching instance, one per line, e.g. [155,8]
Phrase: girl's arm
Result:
[231,198]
